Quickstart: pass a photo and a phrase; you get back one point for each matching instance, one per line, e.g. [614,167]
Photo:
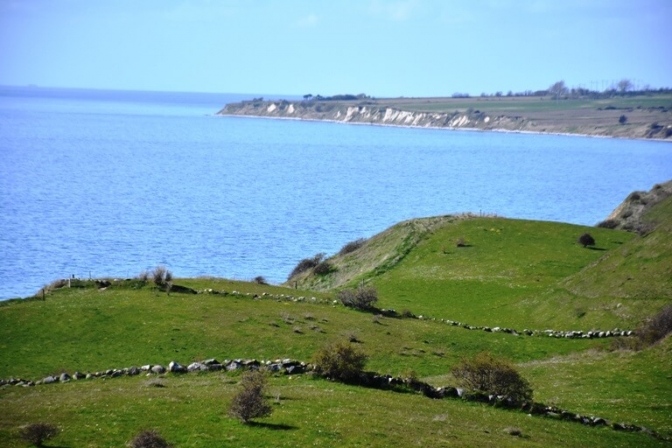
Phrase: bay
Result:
[105,183]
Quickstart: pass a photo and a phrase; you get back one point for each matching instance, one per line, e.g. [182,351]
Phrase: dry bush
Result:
[362,298]
[352,246]
[657,327]
[149,439]
[143,276]
[339,361]
[37,433]
[324,268]
[307,264]
[609,224]
[250,403]
[489,375]
[161,276]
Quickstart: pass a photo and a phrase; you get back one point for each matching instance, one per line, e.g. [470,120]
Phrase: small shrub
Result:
[340,361]
[362,298]
[297,330]
[461,242]
[513,431]
[143,276]
[622,119]
[37,433]
[260,280]
[657,327]
[489,375]
[608,224]
[149,439]
[586,240]
[307,264]
[323,268]
[250,403]
[351,336]
[161,276]
[352,246]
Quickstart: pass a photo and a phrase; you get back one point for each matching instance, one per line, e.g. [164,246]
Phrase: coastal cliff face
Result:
[371,114]
[643,123]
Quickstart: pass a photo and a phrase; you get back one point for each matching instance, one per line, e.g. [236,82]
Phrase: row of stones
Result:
[572,334]
[370,379]
[287,366]
[366,379]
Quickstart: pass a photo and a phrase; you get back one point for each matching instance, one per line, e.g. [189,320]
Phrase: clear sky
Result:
[294,47]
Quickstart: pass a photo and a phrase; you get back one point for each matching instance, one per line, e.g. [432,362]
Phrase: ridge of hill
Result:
[507,272]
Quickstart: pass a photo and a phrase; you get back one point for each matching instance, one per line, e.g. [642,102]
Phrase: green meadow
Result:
[484,271]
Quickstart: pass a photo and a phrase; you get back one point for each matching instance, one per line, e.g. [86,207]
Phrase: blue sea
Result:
[111,183]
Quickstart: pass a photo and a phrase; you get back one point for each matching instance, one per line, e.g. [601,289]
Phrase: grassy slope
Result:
[92,331]
[517,273]
[141,326]
[627,284]
[191,412]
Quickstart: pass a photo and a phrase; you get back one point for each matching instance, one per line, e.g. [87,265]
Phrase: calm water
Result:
[113,183]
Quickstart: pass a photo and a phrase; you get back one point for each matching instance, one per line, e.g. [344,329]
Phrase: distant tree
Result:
[586,240]
[307,96]
[622,119]
[558,89]
[624,85]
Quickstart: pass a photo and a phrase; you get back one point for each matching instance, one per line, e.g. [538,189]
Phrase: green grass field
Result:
[522,274]
[526,105]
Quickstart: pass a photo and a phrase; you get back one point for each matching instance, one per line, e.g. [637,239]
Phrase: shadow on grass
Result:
[273,426]
[596,248]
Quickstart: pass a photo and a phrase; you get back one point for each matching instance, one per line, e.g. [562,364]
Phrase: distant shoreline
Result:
[446,128]
[636,118]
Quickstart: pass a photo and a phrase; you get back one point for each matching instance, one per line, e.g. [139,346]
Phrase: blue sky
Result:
[379,47]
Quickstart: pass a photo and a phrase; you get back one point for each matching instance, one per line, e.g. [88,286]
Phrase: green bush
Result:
[250,403]
[260,280]
[586,240]
[37,433]
[489,375]
[340,361]
[149,439]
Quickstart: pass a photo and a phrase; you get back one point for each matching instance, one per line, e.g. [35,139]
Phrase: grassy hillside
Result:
[503,272]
